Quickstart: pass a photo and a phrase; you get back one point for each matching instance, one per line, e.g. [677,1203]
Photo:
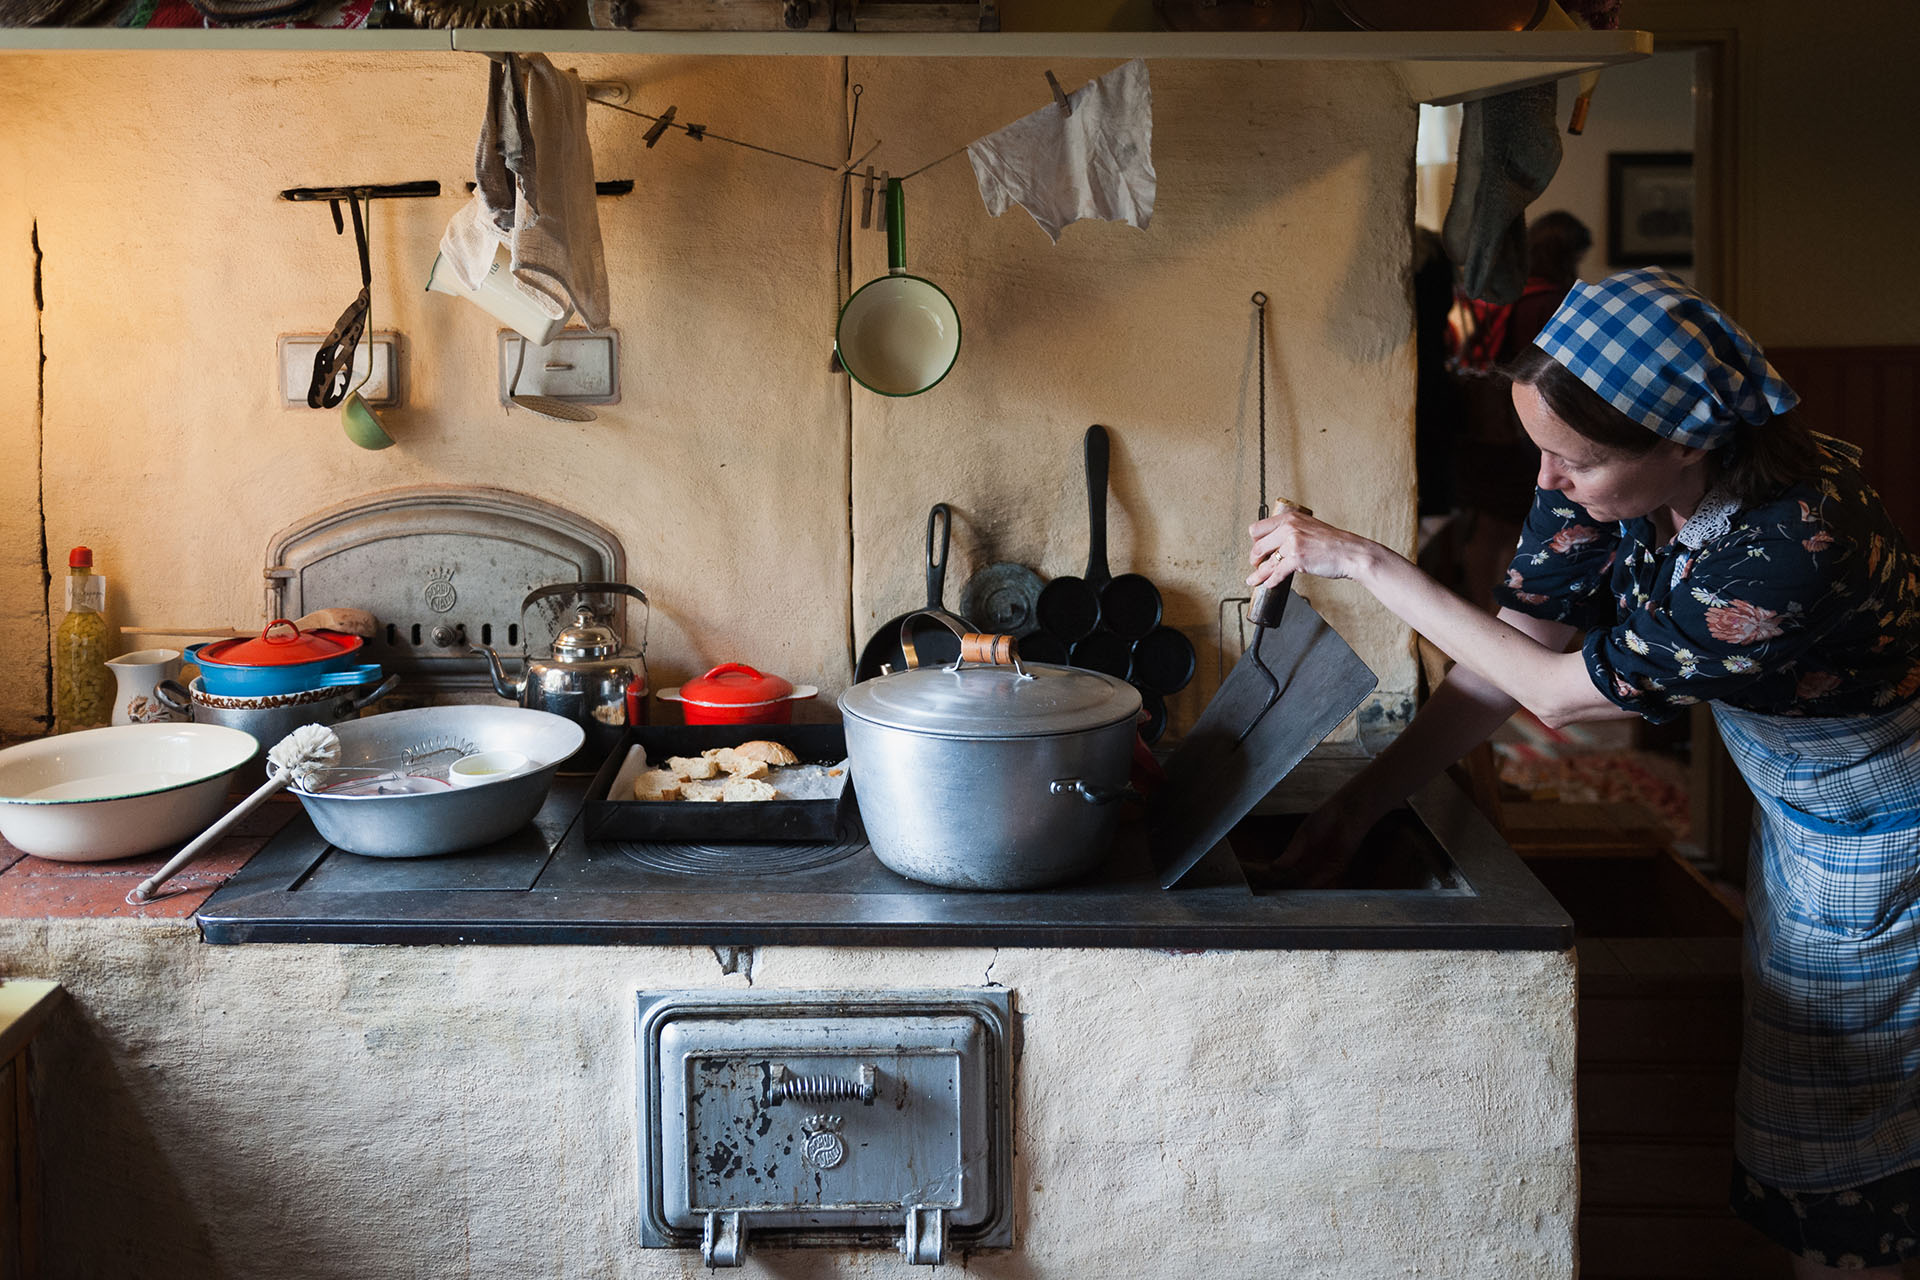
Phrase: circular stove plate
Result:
[738,859]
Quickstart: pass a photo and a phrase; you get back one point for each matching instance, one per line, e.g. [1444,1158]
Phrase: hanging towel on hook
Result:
[1095,163]
[533,191]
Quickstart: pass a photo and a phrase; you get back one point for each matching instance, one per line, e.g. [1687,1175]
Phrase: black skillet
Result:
[1072,608]
[930,642]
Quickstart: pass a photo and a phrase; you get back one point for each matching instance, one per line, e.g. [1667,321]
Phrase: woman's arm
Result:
[1552,684]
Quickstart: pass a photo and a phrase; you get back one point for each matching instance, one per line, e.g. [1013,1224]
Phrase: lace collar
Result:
[1711,520]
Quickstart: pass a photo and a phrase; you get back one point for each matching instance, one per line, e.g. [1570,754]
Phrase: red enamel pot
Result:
[735,693]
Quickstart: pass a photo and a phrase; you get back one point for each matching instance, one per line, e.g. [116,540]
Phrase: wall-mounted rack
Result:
[617,187]
[1433,66]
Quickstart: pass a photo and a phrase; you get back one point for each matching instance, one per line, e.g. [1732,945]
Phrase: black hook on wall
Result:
[334,195]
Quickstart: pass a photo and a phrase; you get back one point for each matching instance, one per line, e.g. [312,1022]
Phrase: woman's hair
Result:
[1754,467]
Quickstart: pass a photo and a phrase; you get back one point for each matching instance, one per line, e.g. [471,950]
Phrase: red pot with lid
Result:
[735,693]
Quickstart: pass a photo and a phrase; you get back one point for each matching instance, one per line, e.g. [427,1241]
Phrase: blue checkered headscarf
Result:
[1665,356]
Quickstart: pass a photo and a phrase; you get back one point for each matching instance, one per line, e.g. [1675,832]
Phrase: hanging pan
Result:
[917,638]
[899,334]
[1128,606]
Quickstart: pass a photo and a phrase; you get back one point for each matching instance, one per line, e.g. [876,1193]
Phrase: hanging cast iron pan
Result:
[1071,608]
[1104,652]
[1042,646]
[931,643]
[1163,661]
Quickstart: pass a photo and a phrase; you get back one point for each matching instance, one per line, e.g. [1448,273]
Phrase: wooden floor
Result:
[1659,1008]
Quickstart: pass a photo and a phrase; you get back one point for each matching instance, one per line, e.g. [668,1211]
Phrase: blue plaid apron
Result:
[1829,1089]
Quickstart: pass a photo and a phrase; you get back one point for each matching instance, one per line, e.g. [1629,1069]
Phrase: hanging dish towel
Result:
[1509,150]
[533,175]
[1095,163]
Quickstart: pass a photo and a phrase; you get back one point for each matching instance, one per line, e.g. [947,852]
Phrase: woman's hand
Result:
[1291,540]
[1321,850]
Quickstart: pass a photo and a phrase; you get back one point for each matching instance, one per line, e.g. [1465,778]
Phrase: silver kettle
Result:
[591,677]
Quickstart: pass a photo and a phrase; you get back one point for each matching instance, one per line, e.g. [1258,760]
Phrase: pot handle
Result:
[1091,792]
[173,696]
[378,692]
[984,648]
[586,588]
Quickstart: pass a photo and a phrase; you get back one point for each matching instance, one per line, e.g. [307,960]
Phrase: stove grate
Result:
[738,859]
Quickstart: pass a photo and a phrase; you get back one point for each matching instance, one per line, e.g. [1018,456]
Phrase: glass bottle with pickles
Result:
[82,684]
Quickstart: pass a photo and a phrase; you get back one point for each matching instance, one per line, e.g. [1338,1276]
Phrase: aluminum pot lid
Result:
[735,684]
[993,702]
[281,645]
[586,638]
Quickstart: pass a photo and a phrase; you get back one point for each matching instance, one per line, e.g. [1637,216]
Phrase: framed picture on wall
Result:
[1650,208]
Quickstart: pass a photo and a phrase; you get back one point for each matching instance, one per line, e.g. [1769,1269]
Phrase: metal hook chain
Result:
[1260,301]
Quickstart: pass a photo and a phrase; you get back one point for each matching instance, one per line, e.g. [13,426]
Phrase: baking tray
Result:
[799,821]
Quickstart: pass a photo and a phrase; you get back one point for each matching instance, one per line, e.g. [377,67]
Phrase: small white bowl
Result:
[486,766]
[119,791]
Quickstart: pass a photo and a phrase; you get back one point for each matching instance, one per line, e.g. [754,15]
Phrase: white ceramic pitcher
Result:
[137,673]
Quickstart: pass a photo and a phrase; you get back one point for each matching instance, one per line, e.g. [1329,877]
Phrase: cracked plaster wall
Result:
[295,1112]
[772,515]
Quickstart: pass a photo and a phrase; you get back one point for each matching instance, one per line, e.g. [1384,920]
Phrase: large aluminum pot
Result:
[990,774]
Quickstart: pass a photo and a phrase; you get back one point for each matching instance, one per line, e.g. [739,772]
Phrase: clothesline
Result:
[701,131]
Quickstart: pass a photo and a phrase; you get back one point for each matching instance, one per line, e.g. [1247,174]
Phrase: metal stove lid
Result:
[993,702]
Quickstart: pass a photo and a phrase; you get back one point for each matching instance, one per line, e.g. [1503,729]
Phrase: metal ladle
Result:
[549,407]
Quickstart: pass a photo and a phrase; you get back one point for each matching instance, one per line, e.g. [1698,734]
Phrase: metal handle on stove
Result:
[784,1084]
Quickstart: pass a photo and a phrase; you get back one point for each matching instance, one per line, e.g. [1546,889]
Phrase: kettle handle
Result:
[587,588]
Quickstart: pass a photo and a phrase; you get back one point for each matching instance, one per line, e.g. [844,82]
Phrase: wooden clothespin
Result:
[866,200]
[660,125]
[698,132]
[1059,95]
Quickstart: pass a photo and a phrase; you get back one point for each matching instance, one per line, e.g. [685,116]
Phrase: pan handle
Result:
[941,516]
[1098,451]
[1270,603]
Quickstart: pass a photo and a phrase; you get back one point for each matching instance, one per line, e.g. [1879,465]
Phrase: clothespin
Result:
[660,125]
[698,132]
[866,200]
[1059,95]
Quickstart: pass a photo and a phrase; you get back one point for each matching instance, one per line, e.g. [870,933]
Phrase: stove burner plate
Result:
[738,859]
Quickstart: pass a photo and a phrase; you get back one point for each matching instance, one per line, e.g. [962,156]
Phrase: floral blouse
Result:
[1807,605]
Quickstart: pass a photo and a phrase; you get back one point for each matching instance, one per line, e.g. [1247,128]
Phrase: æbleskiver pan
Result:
[1071,608]
[931,642]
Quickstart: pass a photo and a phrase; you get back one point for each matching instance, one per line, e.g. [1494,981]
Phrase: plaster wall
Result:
[295,1112]
[772,514]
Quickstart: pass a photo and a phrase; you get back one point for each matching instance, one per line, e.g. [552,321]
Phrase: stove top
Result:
[1451,883]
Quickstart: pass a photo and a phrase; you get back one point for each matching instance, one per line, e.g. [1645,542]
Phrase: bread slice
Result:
[692,768]
[657,784]
[704,792]
[769,752]
[741,789]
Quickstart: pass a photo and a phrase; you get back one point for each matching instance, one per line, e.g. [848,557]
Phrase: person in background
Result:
[1496,461]
[1689,543]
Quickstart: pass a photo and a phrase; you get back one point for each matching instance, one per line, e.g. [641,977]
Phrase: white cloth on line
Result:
[1095,163]
[533,191]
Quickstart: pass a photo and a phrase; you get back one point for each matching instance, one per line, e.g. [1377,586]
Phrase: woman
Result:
[1689,543]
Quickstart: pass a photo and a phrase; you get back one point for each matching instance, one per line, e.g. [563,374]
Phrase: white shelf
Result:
[1435,66]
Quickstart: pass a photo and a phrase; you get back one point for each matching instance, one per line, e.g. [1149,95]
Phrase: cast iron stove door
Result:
[825,1118]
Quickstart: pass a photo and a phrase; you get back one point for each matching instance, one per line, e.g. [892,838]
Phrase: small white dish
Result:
[486,766]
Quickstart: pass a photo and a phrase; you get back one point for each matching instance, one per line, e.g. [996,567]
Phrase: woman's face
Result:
[1610,484]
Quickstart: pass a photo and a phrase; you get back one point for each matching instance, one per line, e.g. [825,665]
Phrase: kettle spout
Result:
[508,689]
